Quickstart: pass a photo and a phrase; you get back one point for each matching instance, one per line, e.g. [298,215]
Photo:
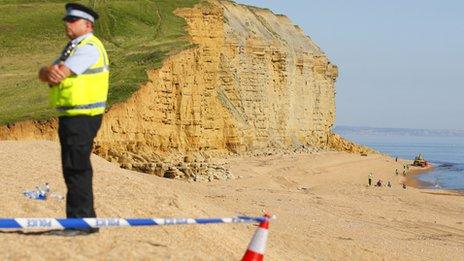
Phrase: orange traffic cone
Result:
[257,246]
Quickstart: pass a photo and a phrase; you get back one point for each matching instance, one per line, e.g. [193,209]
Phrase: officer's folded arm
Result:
[55,73]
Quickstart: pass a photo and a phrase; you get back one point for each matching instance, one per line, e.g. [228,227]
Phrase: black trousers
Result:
[76,139]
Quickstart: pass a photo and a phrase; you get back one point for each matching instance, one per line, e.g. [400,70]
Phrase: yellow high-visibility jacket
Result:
[84,94]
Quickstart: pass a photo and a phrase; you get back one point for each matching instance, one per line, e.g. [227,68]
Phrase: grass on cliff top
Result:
[138,35]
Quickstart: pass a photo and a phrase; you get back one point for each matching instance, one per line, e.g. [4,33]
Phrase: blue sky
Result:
[401,62]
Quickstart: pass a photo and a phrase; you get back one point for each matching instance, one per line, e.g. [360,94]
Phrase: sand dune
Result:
[324,209]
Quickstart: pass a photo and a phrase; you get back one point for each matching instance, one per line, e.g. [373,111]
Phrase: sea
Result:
[444,152]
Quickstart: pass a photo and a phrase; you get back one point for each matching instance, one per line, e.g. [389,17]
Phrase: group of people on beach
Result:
[379,182]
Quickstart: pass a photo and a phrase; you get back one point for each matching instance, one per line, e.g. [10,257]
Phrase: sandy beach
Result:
[324,210]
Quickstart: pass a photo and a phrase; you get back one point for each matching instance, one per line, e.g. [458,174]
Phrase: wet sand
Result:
[427,187]
[412,180]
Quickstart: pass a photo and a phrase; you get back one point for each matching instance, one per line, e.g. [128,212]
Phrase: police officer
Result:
[78,82]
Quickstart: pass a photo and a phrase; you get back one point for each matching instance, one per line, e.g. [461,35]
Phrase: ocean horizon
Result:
[446,153]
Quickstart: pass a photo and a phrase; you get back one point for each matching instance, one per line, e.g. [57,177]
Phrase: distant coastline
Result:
[367,131]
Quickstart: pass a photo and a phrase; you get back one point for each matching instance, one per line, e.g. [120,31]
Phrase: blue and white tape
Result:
[83,223]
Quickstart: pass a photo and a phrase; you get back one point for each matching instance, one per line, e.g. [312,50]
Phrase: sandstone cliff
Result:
[253,82]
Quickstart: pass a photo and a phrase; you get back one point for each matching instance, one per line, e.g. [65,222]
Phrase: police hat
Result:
[74,10]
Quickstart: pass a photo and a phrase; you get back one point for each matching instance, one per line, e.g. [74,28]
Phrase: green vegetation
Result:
[138,35]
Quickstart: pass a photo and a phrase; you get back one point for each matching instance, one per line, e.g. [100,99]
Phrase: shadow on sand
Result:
[53,232]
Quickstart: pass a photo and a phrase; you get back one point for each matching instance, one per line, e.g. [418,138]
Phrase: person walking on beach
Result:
[396,172]
[369,179]
[78,82]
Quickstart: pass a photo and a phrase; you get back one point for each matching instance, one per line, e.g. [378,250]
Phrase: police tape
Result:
[85,223]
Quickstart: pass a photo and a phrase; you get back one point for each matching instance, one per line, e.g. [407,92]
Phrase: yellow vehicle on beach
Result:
[420,162]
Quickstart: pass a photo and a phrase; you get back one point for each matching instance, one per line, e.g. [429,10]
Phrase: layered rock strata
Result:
[254,81]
